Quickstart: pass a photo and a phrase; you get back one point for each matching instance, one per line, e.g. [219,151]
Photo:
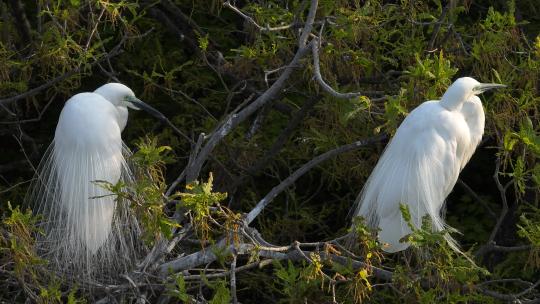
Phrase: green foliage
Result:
[19,256]
[393,111]
[354,108]
[528,136]
[203,42]
[18,245]
[438,266]
[362,286]
[178,290]
[293,281]
[149,155]
[435,72]
[51,294]
[222,294]
[198,201]
[72,298]
[147,200]
[529,229]
[398,50]
[368,244]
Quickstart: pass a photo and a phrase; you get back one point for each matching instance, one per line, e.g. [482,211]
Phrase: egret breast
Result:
[87,149]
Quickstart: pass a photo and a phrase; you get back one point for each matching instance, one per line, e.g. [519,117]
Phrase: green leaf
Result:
[178,291]
[222,294]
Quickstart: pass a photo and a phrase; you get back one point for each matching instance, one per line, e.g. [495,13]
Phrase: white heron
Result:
[87,231]
[421,164]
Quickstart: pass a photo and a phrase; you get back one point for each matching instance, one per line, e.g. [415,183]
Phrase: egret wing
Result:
[417,164]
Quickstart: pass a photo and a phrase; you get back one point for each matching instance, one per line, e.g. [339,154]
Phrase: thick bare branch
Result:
[306,31]
[236,118]
[289,253]
[492,246]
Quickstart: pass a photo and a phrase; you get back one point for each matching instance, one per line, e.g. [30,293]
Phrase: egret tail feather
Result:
[87,231]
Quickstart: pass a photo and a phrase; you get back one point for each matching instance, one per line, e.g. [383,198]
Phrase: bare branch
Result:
[38,118]
[306,31]
[236,118]
[186,96]
[289,253]
[266,28]
[46,85]
[305,168]
[438,27]
[233,280]
[492,246]
[258,121]
[504,210]
[94,29]
[190,172]
[295,120]
[326,87]
[510,297]
[259,264]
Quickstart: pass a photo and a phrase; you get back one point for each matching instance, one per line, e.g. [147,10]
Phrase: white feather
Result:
[88,233]
[421,164]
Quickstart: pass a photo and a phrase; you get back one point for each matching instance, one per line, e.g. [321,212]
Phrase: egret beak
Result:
[481,88]
[137,104]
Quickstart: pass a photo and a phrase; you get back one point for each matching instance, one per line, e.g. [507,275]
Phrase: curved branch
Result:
[305,168]
[326,87]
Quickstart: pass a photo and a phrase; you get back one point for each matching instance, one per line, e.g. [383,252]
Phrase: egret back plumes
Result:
[422,162]
[87,231]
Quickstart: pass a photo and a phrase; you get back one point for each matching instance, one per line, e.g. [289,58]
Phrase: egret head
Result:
[463,89]
[116,93]
[123,97]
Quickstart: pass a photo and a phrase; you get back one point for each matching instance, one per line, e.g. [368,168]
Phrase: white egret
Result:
[421,164]
[87,232]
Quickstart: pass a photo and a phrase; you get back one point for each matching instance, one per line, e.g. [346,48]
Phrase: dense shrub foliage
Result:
[226,68]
